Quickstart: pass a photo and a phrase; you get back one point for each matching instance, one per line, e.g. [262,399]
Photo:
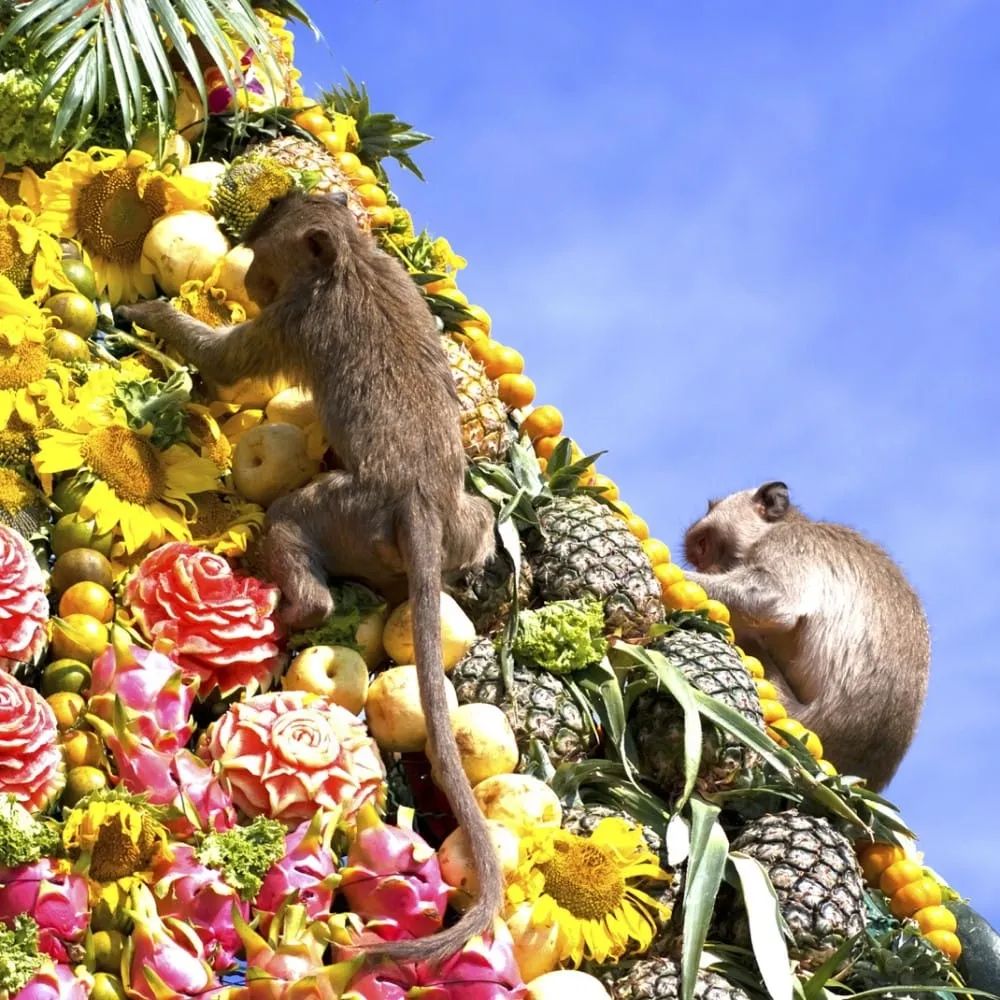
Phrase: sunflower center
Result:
[127,462]
[113,218]
[15,264]
[16,447]
[115,854]
[204,306]
[15,493]
[10,190]
[214,516]
[583,877]
[22,364]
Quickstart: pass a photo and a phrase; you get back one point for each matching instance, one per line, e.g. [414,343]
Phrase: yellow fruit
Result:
[65,675]
[656,551]
[332,141]
[81,781]
[381,216]
[270,460]
[67,707]
[876,858]
[107,948]
[935,918]
[947,942]
[81,275]
[608,489]
[457,633]
[516,390]
[365,175]
[436,287]
[773,710]
[543,421]
[183,246]
[64,345]
[372,195]
[480,316]
[75,312]
[623,509]
[82,748]
[794,728]
[765,689]
[78,637]
[545,446]
[503,361]
[754,665]
[915,896]
[313,120]
[348,162]
[684,596]
[74,532]
[107,987]
[88,598]
[231,274]
[668,574]
[826,767]
[640,529]
[717,611]
[898,874]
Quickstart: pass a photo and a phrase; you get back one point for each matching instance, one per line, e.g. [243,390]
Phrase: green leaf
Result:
[766,925]
[600,683]
[814,986]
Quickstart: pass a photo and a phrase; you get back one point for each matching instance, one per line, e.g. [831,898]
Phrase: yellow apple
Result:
[457,632]
[393,712]
[270,460]
[335,672]
[486,742]
[519,801]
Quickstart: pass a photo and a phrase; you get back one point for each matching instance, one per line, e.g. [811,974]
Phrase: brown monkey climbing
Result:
[840,632]
[346,321]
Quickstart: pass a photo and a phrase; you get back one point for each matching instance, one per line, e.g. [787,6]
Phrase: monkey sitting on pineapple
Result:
[841,634]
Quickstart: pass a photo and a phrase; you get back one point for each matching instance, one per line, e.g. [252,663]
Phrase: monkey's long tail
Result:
[420,533]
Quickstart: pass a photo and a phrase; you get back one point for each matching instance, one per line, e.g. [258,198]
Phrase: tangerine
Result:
[935,918]
[947,942]
[668,574]
[81,564]
[915,896]
[79,637]
[453,294]
[545,446]
[65,675]
[656,551]
[365,175]
[64,345]
[772,709]
[640,529]
[899,874]
[76,313]
[74,532]
[765,689]
[69,494]
[313,120]
[372,195]
[543,421]
[504,361]
[717,611]
[875,858]
[481,316]
[516,390]
[82,276]
[826,767]
[608,488]
[82,748]
[332,141]
[685,595]
[349,162]
[67,706]
[754,665]
[88,598]
[381,216]
[81,781]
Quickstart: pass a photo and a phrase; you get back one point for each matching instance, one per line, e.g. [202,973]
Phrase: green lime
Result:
[69,494]
[106,947]
[81,781]
[65,675]
[74,532]
[81,276]
[67,346]
[76,312]
[81,564]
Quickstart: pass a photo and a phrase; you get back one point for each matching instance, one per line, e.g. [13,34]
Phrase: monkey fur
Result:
[840,632]
[346,321]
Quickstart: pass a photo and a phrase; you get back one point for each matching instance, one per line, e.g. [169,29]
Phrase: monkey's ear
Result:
[320,245]
[772,501]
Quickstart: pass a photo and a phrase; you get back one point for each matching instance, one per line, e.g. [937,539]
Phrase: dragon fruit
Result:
[163,958]
[54,896]
[56,982]
[151,686]
[189,891]
[308,870]
[483,970]
[392,872]
[176,778]
[288,964]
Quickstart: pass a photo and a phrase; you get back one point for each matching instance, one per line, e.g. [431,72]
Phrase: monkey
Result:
[841,633]
[345,320]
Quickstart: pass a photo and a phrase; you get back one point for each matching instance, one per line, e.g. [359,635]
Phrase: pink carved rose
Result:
[24,608]
[288,753]
[31,763]
[222,622]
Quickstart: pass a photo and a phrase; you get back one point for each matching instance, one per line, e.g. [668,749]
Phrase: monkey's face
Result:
[732,526]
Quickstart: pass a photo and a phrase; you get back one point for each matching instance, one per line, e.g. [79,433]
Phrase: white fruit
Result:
[458,868]
[536,948]
[293,405]
[395,718]
[519,801]
[183,246]
[336,672]
[231,275]
[457,633]
[485,741]
[567,984]
[208,172]
[270,460]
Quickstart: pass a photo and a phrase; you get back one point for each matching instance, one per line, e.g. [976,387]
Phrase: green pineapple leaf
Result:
[693,621]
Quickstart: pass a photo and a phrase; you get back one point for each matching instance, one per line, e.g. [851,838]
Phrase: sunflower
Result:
[211,442]
[22,505]
[19,187]
[32,383]
[29,258]
[109,200]
[584,887]
[226,525]
[135,487]
[208,303]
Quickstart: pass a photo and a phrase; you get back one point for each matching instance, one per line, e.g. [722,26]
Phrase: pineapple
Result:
[585,550]
[660,979]
[486,433]
[246,189]
[486,595]
[541,706]
[815,872]
[657,723]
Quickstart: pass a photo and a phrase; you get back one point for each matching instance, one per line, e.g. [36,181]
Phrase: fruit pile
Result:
[195,802]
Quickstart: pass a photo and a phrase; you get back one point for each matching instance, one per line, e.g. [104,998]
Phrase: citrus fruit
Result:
[348,162]
[436,287]
[754,665]
[946,941]
[74,532]
[67,706]
[481,316]
[65,675]
[69,494]
[915,896]
[504,360]
[935,918]
[686,595]
[668,574]
[371,195]
[875,858]
[640,529]
[107,948]
[82,781]
[516,390]
[717,611]
[82,277]
[452,294]
[76,312]
[656,551]
[898,874]
[364,175]
[82,748]
[765,689]
[772,709]
[543,421]
[545,446]
[107,987]
[826,767]
[88,598]
[79,637]
[333,142]
[381,216]
[81,564]
[607,487]
[64,345]
[313,120]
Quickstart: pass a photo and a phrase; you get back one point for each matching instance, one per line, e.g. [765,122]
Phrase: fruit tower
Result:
[196,803]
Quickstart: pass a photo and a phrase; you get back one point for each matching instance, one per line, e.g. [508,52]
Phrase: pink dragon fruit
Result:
[483,970]
[197,895]
[392,872]
[56,982]
[308,870]
[164,958]
[151,687]
[55,897]
[201,801]
[288,965]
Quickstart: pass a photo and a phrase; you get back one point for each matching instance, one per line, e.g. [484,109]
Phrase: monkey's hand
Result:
[150,315]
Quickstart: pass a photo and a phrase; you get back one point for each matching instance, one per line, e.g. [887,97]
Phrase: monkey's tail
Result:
[420,533]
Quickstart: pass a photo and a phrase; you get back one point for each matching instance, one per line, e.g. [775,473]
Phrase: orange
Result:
[64,345]
[470,335]
[480,316]
[606,485]
[88,598]
[728,633]
[504,361]
[915,896]
[765,689]
[668,574]
[685,596]
[935,918]
[717,611]
[754,665]
[656,551]
[543,464]
[792,727]
[482,349]
[79,637]
[332,141]
[82,748]
[545,446]
[65,675]
[947,942]
[826,767]
[875,858]
[82,277]
[67,706]
[468,325]
[371,194]
[436,287]
[313,120]
[772,709]
[81,564]
[381,216]
[74,532]
[640,529]
[348,162]
[516,390]
[543,421]
[365,175]
[76,312]
[624,509]
[898,874]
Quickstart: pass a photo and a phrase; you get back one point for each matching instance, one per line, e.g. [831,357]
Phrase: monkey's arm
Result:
[753,595]
[222,354]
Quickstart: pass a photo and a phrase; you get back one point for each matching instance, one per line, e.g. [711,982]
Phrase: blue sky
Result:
[738,242]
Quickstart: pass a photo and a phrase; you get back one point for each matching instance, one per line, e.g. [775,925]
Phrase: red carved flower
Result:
[24,609]
[31,763]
